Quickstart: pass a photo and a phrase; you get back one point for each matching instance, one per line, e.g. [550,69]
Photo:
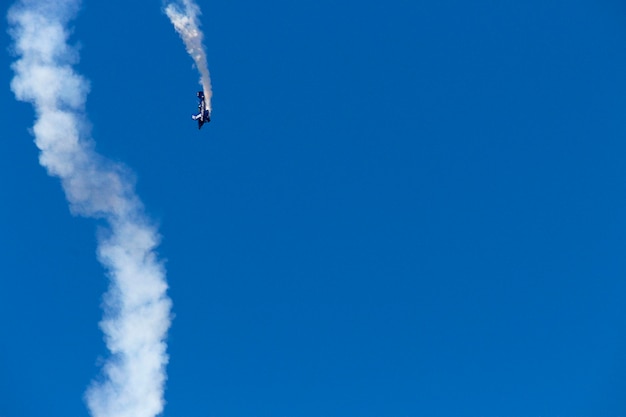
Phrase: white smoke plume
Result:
[137,309]
[184,17]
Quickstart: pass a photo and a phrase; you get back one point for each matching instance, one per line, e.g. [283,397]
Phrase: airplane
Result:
[203,115]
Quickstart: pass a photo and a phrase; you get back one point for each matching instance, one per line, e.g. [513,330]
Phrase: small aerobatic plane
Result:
[203,115]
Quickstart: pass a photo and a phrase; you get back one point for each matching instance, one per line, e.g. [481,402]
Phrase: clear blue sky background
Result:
[400,208]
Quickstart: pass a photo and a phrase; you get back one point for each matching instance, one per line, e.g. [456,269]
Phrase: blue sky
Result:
[399,209]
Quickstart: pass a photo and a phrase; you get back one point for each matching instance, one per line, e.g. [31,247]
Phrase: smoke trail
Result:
[137,309]
[186,23]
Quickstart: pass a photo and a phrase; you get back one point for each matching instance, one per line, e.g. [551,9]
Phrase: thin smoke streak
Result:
[137,309]
[184,17]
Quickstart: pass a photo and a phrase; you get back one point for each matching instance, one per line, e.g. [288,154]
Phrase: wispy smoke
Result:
[184,17]
[137,309]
